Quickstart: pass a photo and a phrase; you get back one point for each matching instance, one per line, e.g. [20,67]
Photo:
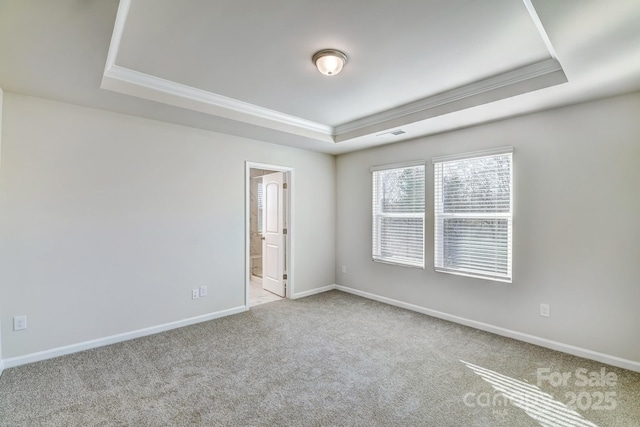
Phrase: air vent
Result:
[396,132]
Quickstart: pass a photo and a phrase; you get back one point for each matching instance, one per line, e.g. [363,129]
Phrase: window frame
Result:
[440,216]
[378,214]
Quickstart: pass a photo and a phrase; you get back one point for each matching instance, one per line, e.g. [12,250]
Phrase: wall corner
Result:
[1,116]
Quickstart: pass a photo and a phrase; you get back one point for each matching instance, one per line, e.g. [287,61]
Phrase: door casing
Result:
[290,223]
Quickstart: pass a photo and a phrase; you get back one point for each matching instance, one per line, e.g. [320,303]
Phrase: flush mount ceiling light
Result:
[329,61]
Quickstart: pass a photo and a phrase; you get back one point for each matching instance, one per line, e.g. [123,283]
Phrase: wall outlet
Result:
[19,323]
[544,310]
[203,291]
[195,294]
[344,269]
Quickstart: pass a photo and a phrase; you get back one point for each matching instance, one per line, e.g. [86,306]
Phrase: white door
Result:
[273,243]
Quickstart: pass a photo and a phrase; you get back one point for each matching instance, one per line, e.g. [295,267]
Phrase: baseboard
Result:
[531,339]
[100,342]
[1,366]
[313,291]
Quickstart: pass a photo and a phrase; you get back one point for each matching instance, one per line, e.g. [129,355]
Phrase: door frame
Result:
[289,212]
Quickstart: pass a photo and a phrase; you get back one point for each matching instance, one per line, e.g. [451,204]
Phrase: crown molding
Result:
[538,23]
[454,99]
[131,82]
[548,71]
[116,36]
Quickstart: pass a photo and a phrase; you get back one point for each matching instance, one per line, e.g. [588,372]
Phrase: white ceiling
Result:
[244,67]
[260,51]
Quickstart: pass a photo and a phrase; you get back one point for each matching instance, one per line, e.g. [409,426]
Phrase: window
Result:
[260,204]
[473,199]
[398,214]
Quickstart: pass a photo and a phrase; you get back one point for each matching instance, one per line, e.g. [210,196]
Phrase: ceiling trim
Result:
[116,36]
[538,23]
[131,82]
[510,78]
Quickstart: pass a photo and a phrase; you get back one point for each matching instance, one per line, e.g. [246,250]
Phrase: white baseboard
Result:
[74,348]
[542,342]
[554,345]
[313,291]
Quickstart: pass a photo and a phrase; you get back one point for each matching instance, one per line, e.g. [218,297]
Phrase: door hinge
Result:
[284,186]
[284,277]
[284,231]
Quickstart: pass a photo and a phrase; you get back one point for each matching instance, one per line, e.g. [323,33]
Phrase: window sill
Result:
[397,263]
[475,276]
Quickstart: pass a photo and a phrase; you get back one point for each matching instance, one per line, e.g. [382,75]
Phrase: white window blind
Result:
[473,199]
[398,214]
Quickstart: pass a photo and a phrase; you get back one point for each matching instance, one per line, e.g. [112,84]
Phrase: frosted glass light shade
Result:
[329,61]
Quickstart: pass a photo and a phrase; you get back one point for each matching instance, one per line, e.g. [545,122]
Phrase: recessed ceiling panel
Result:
[260,52]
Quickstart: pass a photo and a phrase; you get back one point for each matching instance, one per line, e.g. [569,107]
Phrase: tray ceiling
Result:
[260,52]
[250,61]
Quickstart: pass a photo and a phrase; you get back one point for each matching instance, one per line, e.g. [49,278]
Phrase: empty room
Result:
[319,213]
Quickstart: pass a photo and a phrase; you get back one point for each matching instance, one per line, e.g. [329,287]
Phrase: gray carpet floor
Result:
[332,359]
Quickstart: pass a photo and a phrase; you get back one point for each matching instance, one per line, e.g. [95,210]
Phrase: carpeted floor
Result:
[330,359]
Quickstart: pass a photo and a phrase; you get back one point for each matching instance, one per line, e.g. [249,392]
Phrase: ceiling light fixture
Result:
[329,61]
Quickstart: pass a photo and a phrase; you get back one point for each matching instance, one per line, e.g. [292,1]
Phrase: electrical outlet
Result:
[544,310]
[195,294]
[19,323]
[203,291]
[344,269]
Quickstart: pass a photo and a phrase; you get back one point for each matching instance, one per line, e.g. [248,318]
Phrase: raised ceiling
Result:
[244,67]
[258,51]
[250,61]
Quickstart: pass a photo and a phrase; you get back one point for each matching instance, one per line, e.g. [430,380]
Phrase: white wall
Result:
[1,103]
[576,229]
[108,221]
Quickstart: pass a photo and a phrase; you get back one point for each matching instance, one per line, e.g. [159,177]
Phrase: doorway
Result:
[268,233]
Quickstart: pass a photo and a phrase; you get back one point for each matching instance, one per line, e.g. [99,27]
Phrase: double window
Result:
[473,214]
[398,214]
[473,204]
